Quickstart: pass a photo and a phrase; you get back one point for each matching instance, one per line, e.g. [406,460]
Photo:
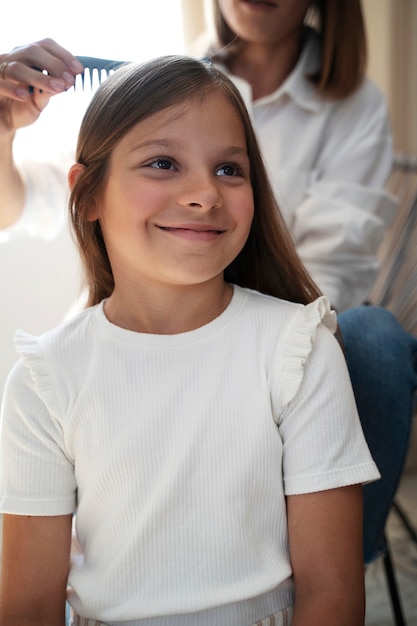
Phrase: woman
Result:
[323,128]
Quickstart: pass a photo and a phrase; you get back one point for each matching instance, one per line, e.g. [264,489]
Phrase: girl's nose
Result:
[200,192]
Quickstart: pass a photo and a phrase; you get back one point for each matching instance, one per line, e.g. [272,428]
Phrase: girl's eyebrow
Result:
[237,151]
[164,143]
[171,143]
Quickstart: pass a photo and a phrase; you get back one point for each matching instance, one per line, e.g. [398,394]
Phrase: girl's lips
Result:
[197,232]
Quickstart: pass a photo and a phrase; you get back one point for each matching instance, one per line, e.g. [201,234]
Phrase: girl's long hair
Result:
[341,29]
[268,262]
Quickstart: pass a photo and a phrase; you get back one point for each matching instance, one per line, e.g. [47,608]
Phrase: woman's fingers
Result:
[29,76]
[42,65]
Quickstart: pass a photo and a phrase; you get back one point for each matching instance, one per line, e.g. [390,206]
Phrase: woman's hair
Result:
[268,262]
[340,26]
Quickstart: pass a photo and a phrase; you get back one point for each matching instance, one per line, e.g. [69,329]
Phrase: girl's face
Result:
[264,21]
[177,206]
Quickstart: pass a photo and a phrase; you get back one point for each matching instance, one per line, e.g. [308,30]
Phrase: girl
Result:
[199,415]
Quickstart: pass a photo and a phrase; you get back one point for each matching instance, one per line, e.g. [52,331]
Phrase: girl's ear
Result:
[73,175]
[75,172]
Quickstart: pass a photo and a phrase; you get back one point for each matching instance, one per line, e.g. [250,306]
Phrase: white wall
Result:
[392,42]
[39,283]
[40,278]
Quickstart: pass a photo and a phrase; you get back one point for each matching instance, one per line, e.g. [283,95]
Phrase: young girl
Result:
[198,417]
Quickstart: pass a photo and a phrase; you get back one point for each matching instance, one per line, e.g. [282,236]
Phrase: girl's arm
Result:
[13,196]
[35,563]
[325,536]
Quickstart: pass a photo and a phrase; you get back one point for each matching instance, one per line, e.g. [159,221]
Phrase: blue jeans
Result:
[382,362]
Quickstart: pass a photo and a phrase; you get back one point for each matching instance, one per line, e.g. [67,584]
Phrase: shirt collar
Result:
[297,86]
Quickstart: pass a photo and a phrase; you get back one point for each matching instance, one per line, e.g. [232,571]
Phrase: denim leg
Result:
[381,359]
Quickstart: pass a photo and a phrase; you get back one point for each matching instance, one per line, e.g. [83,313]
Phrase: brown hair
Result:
[268,262]
[340,26]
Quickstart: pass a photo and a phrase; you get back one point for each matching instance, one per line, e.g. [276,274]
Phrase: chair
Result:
[395,289]
[396,285]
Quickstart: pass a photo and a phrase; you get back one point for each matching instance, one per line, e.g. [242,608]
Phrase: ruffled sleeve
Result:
[37,469]
[33,357]
[323,442]
[300,341]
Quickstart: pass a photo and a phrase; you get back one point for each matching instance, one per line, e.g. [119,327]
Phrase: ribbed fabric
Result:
[283,618]
[182,448]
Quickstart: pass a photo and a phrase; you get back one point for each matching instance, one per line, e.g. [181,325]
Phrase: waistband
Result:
[282,618]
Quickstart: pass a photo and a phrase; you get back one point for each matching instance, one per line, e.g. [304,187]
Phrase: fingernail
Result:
[57,84]
[76,66]
[22,93]
[69,78]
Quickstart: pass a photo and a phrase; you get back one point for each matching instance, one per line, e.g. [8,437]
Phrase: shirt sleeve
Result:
[43,153]
[339,225]
[323,443]
[36,473]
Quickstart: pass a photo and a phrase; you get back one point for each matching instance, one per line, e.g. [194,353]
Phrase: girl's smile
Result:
[194,232]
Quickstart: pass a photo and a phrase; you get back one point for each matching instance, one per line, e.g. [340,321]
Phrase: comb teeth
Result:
[96,70]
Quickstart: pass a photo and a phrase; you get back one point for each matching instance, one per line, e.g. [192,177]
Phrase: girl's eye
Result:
[162,164]
[229,170]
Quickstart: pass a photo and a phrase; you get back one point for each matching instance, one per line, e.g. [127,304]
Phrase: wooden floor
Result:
[404,553]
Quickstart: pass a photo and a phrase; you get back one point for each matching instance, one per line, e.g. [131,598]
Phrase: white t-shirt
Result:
[178,452]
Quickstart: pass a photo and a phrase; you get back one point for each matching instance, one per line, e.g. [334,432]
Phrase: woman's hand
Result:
[29,76]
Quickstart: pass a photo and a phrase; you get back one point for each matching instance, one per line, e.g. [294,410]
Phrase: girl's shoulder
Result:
[60,349]
[70,334]
[53,363]
[291,313]
[287,334]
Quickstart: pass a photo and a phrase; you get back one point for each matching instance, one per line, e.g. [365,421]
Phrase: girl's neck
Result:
[167,311]
[265,67]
